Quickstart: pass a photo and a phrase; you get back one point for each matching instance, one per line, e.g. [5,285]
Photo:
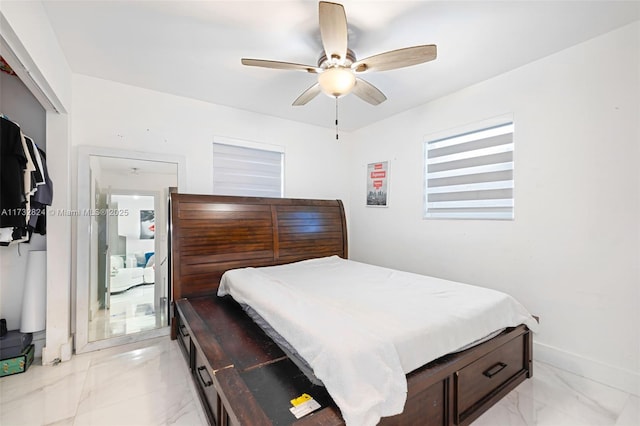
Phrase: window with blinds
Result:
[470,176]
[239,170]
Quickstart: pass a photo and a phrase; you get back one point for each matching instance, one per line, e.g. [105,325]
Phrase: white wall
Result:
[129,224]
[114,115]
[571,255]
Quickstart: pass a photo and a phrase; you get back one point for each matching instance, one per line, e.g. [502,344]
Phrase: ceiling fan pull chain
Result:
[336,118]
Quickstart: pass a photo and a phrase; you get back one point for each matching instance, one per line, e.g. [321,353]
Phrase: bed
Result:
[244,377]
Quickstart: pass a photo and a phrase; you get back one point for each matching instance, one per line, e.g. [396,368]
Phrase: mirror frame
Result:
[83,229]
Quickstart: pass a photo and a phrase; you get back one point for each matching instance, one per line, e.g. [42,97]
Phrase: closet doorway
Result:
[123,256]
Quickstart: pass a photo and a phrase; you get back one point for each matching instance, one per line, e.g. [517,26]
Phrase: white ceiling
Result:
[193,48]
[132,166]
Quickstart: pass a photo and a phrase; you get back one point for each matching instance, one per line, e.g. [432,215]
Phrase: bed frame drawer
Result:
[203,376]
[483,379]
[184,340]
[252,380]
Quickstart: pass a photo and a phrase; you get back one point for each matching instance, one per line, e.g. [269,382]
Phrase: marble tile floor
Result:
[147,383]
[143,383]
[131,311]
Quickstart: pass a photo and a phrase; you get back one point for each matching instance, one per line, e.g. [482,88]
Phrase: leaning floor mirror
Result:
[122,285]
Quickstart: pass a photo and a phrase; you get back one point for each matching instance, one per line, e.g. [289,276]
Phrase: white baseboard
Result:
[52,355]
[616,377]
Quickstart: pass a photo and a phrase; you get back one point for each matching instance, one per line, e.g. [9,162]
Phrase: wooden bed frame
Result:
[242,376]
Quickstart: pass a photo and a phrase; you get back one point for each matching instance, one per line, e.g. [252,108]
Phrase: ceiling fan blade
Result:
[368,92]
[279,65]
[396,58]
[307,95]
[333,29]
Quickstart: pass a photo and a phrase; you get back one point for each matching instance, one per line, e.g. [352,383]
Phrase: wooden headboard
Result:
[210,234]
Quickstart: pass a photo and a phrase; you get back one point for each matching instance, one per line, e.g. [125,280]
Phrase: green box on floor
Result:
[18,364]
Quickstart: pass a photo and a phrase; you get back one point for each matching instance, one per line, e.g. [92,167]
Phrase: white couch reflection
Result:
[123,278]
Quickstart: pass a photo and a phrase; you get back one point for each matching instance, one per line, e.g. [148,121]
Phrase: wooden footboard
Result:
[244,378]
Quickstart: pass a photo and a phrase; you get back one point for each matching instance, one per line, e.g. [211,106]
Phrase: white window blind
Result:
[239,170]
[470,176]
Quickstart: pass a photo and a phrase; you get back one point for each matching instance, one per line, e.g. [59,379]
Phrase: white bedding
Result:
[362,327]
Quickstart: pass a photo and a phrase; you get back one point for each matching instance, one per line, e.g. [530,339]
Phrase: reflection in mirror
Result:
[123,296]
[123,291]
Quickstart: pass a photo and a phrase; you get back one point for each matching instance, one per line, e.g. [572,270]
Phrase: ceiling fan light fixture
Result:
[336,81]
[337,65]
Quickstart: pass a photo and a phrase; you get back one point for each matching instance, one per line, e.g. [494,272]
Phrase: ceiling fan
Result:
[338,68]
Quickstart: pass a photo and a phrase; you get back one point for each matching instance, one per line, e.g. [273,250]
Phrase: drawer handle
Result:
[207,382]
[183,331]
[495,369]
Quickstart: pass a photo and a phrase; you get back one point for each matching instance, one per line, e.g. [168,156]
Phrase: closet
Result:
[22,225]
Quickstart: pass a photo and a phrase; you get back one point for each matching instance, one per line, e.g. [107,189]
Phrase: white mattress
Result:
[362,327]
